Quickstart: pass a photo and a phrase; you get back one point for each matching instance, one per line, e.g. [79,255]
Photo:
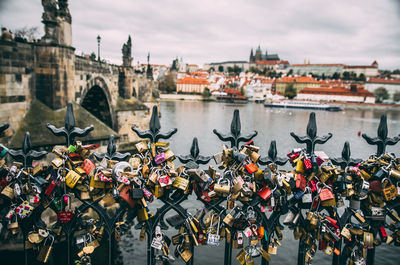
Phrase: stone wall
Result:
[17,82]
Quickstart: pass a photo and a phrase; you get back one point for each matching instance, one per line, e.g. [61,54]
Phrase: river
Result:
[198,119]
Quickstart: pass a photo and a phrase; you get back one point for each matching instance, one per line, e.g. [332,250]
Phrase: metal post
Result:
[336,258]
[301,257]
[228,253]
[98,47]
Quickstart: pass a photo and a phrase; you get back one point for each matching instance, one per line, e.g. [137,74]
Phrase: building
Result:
[315,69]
[330,69]
[356,94]
[259,56]
[223,66]
[366,70]
[190,84]
[391,85]
[258,89]
[299,83]
[275,65]
[192,67]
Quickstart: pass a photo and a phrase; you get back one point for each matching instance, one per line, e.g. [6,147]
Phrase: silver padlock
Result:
[355,203]
[307,196]
[289,218]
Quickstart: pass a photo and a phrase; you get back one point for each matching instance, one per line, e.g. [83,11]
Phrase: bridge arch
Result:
[96,99]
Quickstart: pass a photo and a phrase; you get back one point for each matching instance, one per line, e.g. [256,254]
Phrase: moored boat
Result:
[292,104]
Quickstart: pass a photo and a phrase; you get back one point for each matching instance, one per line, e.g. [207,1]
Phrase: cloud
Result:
[352,32]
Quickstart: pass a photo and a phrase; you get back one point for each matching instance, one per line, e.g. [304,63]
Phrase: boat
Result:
[292,104]
[231,96]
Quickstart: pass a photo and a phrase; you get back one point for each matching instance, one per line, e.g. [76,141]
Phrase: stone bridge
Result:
[48,71]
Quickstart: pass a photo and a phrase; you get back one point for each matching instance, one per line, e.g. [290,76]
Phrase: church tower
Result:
[258,54]
[251,59]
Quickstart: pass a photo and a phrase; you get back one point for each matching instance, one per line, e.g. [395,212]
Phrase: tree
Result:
[336,75]
[92,56]
[346,75]
[30,33]
[167,84]
[290,92]
[206,93]
[361,77]
[381,94]
[396,96]
[290,72]
[220,68]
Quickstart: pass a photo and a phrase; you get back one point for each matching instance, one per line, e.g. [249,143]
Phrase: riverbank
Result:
[344,105]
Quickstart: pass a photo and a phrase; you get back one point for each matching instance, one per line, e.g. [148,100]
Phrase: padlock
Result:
[66,215]
[213,238]
[88,166]
[222,186]
[185,254]
[300,182]
[141,147]
[45,250]
[160,158]
[300,167]
[272,248]
[241,257]
[181,183]
[142,215]
[72,178]
[251,168]
[8,192]
[389,190]
[326,194]
[125,194]
[24,209]
[265,193]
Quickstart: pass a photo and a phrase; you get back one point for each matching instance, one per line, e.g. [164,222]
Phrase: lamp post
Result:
[98,47]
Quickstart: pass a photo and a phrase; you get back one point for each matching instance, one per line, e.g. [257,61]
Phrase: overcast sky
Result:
[322,31]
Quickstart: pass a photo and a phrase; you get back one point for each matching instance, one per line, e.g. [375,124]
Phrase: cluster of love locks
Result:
[342,206]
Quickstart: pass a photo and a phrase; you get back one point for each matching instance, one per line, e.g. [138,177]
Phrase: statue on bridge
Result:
[127,53]
[63,10]
[50,10]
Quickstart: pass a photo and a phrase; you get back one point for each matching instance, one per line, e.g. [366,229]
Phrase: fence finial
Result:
[194,155]
[235,136]
[69,131]
[272,156]
[26,155]
[111,153]
[154,129]
[346,159]
[381,141]
[311,139]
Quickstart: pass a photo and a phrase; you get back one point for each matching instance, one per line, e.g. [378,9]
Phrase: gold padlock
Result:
[142,215]
[181,183]
[141,147]
[45,251]
[8,192]
[72,178]
[389,190]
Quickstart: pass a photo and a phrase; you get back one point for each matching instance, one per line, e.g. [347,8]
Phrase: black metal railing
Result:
[93,215]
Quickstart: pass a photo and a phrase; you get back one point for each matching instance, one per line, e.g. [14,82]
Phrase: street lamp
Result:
[98,47]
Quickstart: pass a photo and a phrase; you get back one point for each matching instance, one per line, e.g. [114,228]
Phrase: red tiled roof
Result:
[193,81]
[336,91]
[298,79]
[384,81]
[272,62]
[317,64]
[359,66]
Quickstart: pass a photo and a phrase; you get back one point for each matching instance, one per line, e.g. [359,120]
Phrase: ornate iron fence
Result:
[110,195]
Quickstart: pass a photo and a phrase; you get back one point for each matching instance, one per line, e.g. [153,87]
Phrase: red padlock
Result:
[50,188]
[326,194]
[307,163]
[88,166]
[313,185]
[251,168]
[265,193]
[382,233]
[301,182]
[125,194]
[66,215]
